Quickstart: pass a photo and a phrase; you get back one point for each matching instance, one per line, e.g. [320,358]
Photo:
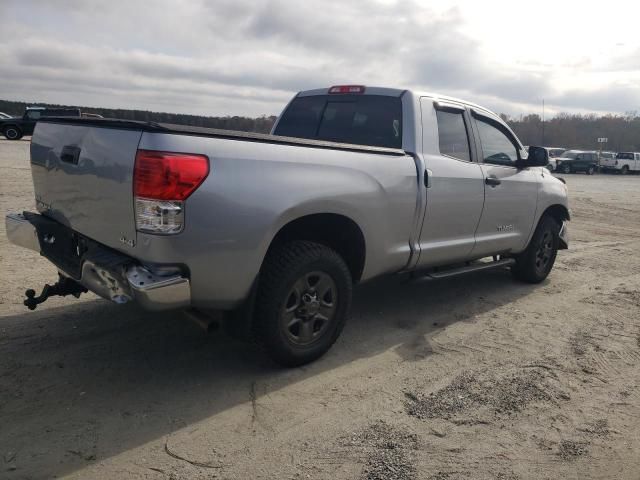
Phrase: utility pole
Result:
[542,123]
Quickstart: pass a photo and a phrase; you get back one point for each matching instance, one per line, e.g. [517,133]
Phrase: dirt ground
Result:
[477,377]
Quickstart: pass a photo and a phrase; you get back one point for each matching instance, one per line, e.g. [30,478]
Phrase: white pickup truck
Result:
[354,182]
[624,163]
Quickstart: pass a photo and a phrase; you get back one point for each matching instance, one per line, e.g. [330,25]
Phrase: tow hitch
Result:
[63,287]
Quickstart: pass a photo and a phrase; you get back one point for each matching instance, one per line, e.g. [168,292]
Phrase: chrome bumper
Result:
[21,232]
[132,282]
[564,236]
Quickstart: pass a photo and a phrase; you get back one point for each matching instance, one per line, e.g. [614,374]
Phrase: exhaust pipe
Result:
[208,322]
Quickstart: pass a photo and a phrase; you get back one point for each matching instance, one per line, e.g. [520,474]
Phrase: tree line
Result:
[261,124]
[579,131]
[565,130]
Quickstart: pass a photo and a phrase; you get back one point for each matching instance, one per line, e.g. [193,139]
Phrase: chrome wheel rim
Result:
[11,133]
[309,308]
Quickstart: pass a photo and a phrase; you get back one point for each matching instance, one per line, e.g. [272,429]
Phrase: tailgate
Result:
[82,175]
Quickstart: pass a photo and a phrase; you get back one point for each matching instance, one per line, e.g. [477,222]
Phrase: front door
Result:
[511,193]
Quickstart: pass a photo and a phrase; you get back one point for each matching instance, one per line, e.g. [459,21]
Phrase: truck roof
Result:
[397,92]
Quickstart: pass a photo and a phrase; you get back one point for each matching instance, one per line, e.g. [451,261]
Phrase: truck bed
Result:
[154,127]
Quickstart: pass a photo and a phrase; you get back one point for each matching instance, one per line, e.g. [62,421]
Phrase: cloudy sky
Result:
[241,57]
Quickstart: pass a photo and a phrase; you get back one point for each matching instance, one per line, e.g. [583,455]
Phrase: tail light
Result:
[162,181]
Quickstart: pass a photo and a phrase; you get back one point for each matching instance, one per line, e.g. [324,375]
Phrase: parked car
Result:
[354,182]
[573,161]
[14,128]
[4,115]
[604,158]
[624,162]
[554,153]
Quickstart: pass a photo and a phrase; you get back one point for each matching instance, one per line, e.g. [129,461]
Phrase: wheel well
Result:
[335,231]
[11,125]
[558,212]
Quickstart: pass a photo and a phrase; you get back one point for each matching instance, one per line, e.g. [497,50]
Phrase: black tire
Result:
[566,168]
[591,170]
[296,319]
[11,132]
[534,264]
[625,170]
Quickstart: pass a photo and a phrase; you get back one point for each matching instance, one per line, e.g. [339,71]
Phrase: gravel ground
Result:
[477,377]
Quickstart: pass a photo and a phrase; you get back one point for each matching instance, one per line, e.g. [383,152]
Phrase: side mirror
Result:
[538,157]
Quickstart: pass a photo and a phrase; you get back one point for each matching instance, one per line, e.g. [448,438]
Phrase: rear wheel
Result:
[12,132]
[303,300]
[534,264]
[591,170]
[625,170]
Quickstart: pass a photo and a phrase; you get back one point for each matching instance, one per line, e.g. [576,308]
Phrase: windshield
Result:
[570,154]
[625,156]
[374,120]
[555,152]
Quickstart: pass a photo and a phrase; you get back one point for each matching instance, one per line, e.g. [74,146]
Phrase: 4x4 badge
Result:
[127,242]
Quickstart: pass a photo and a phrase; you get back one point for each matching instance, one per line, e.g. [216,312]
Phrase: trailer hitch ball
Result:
[63,287]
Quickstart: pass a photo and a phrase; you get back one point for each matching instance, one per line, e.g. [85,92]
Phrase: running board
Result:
[478,267]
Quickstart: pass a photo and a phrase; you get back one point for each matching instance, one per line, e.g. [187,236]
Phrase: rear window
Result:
[374,120]
[625,156]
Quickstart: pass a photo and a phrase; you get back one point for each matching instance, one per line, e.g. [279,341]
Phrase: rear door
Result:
[455,189]
[510,193]
[82,175]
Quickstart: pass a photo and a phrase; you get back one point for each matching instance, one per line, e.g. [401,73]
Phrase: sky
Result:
[241,57]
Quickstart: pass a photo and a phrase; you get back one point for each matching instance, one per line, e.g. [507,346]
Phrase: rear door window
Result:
[452,135]
[374,120]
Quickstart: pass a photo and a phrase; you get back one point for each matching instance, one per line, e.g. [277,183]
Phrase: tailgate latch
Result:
[63,287]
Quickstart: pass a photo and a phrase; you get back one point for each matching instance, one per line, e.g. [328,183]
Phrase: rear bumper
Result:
[105,272]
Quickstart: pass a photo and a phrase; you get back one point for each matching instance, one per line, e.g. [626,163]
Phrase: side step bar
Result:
[477,267]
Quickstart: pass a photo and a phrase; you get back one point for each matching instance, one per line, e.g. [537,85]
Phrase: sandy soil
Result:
[477,377]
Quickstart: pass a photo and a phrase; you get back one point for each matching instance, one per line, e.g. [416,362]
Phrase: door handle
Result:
[427,178]
[493,181]
[70,154]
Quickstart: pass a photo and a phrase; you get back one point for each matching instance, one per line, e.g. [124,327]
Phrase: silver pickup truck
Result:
[353,182]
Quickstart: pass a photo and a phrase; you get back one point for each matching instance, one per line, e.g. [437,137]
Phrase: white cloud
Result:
[248,57]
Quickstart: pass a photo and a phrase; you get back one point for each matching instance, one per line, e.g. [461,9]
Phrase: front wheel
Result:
[624,170]
[12,133]
[566,169]
[304,298]
[535,263]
